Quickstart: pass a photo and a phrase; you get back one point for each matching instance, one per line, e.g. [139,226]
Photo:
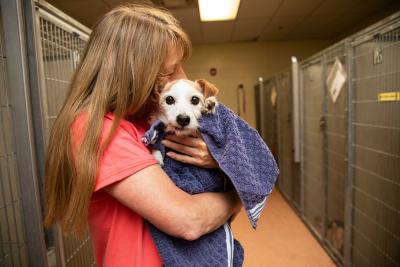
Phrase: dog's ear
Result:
[207,88]
[160,84]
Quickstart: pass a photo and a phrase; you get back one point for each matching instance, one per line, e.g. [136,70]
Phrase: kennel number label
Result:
[389,96]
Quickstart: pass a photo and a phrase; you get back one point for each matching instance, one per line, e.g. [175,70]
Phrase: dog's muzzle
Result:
[183,120]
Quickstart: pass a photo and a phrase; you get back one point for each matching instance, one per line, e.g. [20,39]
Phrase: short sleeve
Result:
[124,156]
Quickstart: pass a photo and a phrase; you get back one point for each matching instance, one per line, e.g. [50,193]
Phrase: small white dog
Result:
[181,104]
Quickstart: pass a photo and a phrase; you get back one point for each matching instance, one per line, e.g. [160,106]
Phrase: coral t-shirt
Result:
[119,235]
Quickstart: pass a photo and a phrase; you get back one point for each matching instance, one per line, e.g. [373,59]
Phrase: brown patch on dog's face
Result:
[208,89]
[160,85]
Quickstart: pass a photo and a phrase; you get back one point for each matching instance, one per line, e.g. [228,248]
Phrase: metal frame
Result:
[316,59]
[44,17]
[382,26]
[13,243]
[278,124]
[296,108]
[348,216]
[48,12]
[325,145]
[18,78]
[389,24]
[277,79]
[301,97]
[34,9]
[322,59]
[366,36]
[262,115]
[61,19]
[313,60]
[344,53]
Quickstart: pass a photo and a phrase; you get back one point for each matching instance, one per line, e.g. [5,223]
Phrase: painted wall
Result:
[243,63]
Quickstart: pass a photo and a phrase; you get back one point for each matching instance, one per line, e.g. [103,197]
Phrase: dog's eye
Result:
[169,100]
[195,100]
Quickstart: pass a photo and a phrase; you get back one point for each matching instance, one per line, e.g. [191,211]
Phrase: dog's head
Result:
[182,102]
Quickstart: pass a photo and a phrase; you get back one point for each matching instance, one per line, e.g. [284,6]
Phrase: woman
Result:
[97,170]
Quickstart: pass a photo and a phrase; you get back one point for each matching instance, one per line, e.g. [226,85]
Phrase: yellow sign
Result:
[389,96]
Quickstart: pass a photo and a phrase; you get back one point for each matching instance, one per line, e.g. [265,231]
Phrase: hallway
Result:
[281,238]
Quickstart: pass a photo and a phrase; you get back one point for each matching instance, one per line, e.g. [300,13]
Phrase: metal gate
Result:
[266,114]
[350,146]
[375,146]
[60,51]
[289,177]
[12,237]
[312,144]
[336,148]
[324,145]
[60,41]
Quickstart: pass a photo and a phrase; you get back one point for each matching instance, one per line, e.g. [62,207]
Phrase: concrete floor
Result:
[281,238]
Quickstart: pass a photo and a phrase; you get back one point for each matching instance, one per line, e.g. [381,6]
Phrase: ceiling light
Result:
[213,10]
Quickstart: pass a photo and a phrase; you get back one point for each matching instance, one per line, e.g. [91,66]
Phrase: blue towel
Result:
[243,158]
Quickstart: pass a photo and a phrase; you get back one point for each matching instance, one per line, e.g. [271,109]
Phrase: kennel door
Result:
[289,170]
[312,144]
[376,147]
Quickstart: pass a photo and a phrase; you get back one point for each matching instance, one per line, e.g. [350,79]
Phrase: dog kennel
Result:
[323,144]
[266,116]
[40,47]
[375,145]
[13,251]
[274,122]
[289,177]
[348,182]
[59,42]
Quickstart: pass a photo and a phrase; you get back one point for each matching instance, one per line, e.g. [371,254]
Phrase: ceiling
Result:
[257,20]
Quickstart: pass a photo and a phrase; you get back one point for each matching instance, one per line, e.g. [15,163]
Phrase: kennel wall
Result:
[313,144]
[266,113]
[13,249]
[375,145]
[289,177]
[59,42]
[350,146]
[336,154]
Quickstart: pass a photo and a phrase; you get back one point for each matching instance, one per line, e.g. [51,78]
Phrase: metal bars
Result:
[12,237]
[312,144]
[266,94]
[60,53]
[289,179]
[376,148]
[60,46]
[350,146]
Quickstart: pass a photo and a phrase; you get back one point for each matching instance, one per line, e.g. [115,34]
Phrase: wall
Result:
[243,63]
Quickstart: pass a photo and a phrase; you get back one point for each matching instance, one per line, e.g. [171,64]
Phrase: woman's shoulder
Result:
[138,127]
[134,128]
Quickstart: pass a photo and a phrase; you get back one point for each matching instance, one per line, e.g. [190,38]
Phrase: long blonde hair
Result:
[117,74]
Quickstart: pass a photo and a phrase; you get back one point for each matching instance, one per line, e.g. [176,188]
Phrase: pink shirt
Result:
[119,235]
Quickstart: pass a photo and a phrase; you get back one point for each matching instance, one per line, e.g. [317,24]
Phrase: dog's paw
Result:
[210,105]
[158,156]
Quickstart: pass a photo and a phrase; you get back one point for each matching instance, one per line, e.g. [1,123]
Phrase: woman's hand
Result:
[194,151]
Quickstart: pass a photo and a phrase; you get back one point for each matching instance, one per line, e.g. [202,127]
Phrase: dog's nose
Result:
[183,120]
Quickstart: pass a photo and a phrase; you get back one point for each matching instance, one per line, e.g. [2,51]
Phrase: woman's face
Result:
[172,67]
[171,70]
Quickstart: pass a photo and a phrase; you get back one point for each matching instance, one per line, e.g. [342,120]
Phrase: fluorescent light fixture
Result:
[213,10]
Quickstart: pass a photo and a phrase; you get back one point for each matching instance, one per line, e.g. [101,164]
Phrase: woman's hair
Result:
[117,74]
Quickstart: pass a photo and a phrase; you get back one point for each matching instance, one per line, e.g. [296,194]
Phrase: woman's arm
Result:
[152,194]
